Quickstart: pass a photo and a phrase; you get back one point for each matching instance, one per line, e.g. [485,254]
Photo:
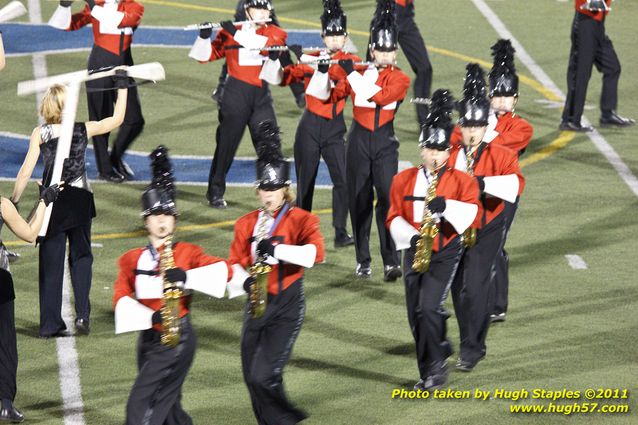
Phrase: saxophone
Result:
[171,299]
[428,232]
[469,236]
[258,296]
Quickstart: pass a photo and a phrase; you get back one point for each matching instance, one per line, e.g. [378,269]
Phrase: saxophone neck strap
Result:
[282,212]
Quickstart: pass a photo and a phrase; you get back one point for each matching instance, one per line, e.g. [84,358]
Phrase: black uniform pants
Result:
[266,344]
[372,160]
[590,46]
[316,137]
[157,392]
[51,276]
[425,294]
[101,105]
[413,47]
[8,346]
[501,267]
[242,105]
[471,289]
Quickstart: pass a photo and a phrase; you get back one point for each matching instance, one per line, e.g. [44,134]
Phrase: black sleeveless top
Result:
[74,206]
[74,166]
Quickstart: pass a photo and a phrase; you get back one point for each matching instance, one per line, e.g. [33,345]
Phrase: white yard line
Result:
[599,141]
[69,373]
[576,262]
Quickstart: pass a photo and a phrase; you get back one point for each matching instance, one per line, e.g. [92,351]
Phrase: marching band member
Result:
[496,170]
[72,213]
[113,23]
[152,294]
[591,45]
[322,128]
[276,243]
[297,89]
[430,206]
[27,231]
[372,156]
[505,128]
[247,100]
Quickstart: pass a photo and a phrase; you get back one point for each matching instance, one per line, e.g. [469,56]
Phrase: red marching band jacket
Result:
[599,16]
[453,185]
[109,38]
[139,266]
[404,3]
[513,131]
[373,108]
[493,160]
[225,46]
[303,73]
[298,227]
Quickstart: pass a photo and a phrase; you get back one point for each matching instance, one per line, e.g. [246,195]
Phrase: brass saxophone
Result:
[469,236]
[170,301]
[258,297]
[428,232]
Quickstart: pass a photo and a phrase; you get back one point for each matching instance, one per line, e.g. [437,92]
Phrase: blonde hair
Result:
[289,194]
[53,103]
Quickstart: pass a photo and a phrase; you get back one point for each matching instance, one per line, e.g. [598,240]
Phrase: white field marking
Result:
[96,245]
[551,104]
[70,387]
[599,141]
[576,262]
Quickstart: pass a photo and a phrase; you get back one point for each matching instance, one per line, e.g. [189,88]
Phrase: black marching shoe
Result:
[124,170]
[82,326]
[218,202]
[9,413]
[62,333]
[612,119]
[391,273]
[497,317]
[466,365]
[363,271]
[435,380]
[343,239]
[570,126]
[112,177]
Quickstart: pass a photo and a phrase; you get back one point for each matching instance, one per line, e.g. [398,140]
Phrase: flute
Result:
[335,62]
[197,27]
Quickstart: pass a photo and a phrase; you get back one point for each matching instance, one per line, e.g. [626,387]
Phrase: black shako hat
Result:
[437,128]
[273,171]
[383,28]
[502,76]
[159,196]
[333,20]
[474,108]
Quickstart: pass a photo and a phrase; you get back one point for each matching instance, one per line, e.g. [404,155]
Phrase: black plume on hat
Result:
[503,78]
[273,170]
[160,194]
[383,28]
[333,20]
[437,129]
[474,107]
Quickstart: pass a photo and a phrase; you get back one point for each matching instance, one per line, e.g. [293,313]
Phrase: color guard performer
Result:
[247,100]
[153,293]
[372,157]
[275,243]
[430,206]
[322,128]
[505,128]
[73,213]
[113,23]
[496,170]
[27,231]
[591,46]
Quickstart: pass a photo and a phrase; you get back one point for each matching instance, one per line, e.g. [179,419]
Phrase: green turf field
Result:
[566,329]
